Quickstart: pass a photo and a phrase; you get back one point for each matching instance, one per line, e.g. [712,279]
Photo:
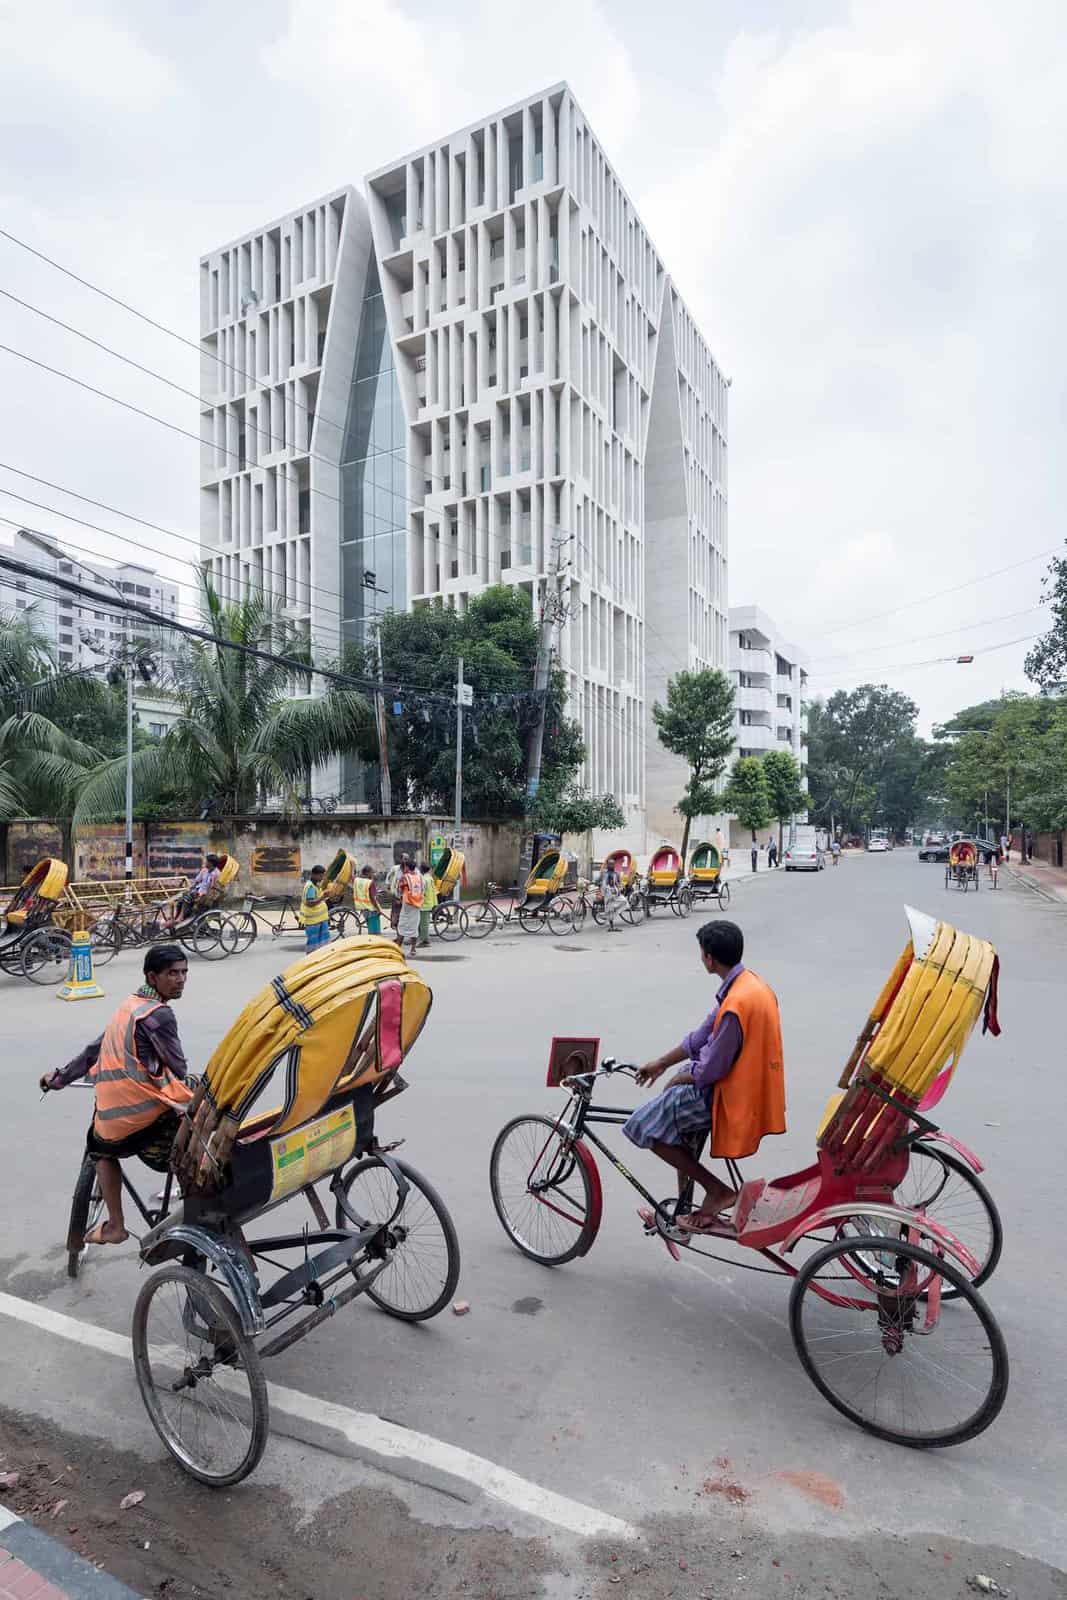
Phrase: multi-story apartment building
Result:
[770,679]
[482,373]
[84,634]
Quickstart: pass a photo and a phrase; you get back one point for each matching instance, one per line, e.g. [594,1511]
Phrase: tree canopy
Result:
[746,793]
[785,792]
[1018,742]
[697,723]
[867,764]
[1046,664]
[497,638]
[42,760]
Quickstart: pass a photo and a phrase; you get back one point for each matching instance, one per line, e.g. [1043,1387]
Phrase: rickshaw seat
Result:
[765,1211]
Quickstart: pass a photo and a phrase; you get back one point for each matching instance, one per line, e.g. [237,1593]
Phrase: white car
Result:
[803,858]
[877,844]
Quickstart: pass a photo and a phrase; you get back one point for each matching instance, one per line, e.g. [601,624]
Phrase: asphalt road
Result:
[623,1380]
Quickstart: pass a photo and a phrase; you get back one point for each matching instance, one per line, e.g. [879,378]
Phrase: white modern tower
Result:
[506,387]
[770,678]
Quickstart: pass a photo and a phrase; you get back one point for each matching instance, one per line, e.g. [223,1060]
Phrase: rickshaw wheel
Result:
[185,1332]
[560,1220]
[449,920]
[243,929]
[46,956]
[564,919]
[86,1209]
[873,1357]
[682,903]
[724,896]
[422,1276]
[530,919]
[210,937]
[634,910]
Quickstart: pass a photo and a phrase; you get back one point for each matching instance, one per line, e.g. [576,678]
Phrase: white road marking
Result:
[7,1518]
[386,1440]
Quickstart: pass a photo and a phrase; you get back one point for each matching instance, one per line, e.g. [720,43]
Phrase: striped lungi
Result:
[679,1116]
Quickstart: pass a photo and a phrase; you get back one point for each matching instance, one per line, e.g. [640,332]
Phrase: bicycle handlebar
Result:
[605,1070]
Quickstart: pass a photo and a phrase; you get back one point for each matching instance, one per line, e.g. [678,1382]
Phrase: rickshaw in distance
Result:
[706,876]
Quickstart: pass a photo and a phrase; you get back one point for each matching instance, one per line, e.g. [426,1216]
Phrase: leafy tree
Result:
[242,738]
[1016,743]
[857,742]
[103,723]
[41,761]
[497,638]
[746,794]
[697,723]
[786,793]
[575,811]
[1046,664]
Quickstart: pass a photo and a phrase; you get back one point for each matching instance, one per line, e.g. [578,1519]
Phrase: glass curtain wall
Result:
[373,501]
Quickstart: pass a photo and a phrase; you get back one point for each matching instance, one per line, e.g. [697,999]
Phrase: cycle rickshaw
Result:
[962,868]
[869,1310]
[666,883]
[449,917]
[241,928]
[706,880]
[32,945]
[288,1101]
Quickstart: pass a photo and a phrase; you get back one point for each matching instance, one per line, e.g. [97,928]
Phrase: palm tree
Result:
[41,767]
[242,737]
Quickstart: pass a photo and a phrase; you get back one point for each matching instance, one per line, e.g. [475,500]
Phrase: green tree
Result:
[785,791]
[1014,744]
[497,638]
[746,794]
[42,763]
[856,741]
[697,723]
[242,737]
[1046,664]
[575,811]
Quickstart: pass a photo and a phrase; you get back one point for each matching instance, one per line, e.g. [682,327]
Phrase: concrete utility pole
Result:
[460,702]
[553,613]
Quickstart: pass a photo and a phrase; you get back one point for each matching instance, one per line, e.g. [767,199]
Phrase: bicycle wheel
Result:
[634,910]
[420,1237]
[724,896]
[46,956]
[542,1192]
[210,936]
[344,924]
[563,918]
[482,919]
[872,1356]
[86,1209]
[105,941]
[200,1376]
[243,929]
[449,920]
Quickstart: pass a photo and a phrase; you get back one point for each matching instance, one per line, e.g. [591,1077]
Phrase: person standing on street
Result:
[410,894]
[365,899]
[314,912]
[722,847]
[429,901]
[610,893]
[835,851]
[1005,846]
[772,853]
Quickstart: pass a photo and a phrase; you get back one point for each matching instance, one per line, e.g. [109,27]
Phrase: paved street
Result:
[666,1395]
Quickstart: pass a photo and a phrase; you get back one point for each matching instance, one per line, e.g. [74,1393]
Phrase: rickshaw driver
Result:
[139,1074]
[734,1084]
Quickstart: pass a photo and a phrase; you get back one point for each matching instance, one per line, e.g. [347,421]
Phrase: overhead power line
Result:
[939,594]
[895,644]
[935,661]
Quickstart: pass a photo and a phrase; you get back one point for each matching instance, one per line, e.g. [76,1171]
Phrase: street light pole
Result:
[129,759]
[459,742]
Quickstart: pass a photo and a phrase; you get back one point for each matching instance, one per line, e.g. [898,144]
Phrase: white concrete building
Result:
[483,375]
[84,634]
[770,681]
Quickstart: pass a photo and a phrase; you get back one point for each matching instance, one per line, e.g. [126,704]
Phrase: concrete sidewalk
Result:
[1048,881]
[34,1566]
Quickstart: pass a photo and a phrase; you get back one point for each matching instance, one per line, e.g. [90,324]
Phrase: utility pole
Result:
[370,583]
[553,613]
[129,759]
[460,686]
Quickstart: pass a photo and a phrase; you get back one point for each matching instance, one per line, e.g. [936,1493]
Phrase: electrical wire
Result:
[936,661]
[939,594]
[895,644]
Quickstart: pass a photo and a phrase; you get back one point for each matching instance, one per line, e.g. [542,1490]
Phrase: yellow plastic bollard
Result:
[81,981]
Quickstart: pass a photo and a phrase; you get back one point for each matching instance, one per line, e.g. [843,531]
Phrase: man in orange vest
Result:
[733,1084]
[138,1072]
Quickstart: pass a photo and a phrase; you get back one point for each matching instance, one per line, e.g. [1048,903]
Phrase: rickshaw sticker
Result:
[309,1152]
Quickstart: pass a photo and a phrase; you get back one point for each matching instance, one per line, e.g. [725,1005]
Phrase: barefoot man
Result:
[138,1071]
[733,1083]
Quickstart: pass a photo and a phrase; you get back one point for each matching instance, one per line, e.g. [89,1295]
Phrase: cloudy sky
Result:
[863,203]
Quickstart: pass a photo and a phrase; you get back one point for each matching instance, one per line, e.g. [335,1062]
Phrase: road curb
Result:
[26,1551]
[1037,888]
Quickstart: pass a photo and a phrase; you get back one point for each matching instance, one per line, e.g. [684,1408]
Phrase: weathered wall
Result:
[272,852]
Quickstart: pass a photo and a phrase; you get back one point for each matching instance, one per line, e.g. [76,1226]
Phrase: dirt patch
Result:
[187,1542]
[817,1487]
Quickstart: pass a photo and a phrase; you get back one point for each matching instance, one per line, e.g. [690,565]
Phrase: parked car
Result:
[803,857]
[934,849]
[876,843]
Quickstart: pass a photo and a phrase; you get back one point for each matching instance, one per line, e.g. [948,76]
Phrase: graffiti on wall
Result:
[177,849]
[28,843]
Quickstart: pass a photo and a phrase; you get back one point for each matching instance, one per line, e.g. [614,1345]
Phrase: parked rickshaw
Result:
[121,913]
[707,880]
[288,1101]
[32,945]
[666,884]
[869,1312]
[962,868]
[544,886]
[449,917]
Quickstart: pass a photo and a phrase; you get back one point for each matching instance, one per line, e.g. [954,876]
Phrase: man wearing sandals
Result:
[141,1080]
[733,1085]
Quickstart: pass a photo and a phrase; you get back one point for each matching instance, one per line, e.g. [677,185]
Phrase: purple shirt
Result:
[712,1054]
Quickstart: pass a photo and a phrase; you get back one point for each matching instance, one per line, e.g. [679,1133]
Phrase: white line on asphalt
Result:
[7,1518]
[385,1440]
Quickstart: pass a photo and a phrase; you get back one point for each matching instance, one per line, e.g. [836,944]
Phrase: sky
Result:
[864,205]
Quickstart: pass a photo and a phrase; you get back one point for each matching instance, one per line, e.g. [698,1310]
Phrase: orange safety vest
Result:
[128,1097]
[750,1101]
[411,888]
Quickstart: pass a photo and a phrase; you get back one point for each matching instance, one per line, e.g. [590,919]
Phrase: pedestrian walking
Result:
[835,851]
[722,847]
[429,901]
[314,912]
[994,867]
[410,893]
[1005,846]
[772,853]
